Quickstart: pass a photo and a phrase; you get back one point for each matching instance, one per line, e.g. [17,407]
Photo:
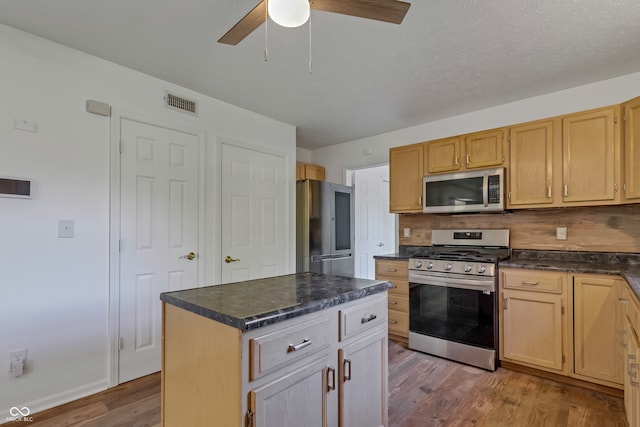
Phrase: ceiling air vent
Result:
[180,103]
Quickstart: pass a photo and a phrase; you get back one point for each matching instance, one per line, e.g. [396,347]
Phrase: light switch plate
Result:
[66,228]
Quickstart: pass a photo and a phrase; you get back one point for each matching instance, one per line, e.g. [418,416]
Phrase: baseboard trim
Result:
[611,391]
[57,399]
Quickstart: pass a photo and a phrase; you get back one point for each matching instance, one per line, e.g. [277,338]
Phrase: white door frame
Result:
[117,114]
[289,209]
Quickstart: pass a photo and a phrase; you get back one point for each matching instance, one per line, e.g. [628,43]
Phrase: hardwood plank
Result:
[424,391]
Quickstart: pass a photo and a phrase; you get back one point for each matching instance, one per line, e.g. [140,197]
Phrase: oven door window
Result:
[452,314]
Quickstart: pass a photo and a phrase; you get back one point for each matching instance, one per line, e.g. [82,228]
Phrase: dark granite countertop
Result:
[626,265]
[256,303]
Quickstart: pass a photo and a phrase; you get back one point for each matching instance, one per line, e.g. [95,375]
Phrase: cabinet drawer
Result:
[533,280]
[273,351]
[398,303]
[363,317]
[391,268]
[400,288]
[399,323]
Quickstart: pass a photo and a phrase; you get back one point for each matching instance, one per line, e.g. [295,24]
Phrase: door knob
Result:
[380,245]
[190,256]
[228,259]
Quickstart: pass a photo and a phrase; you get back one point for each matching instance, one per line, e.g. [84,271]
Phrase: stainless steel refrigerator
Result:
[324,228]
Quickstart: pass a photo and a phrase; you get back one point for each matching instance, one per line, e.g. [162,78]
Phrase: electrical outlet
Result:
[17,361]
[16,355]
[561,233]
[407,232]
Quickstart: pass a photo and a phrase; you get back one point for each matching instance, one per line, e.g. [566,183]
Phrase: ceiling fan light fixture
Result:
[289,13]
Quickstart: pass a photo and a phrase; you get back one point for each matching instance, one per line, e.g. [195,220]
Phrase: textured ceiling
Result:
[448,56]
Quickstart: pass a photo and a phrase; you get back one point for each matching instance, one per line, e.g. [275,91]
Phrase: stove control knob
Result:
[467,268]
[430,265]
[482,269]
[418,264]
[448,267]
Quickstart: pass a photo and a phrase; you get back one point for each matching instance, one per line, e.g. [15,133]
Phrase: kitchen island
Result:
[300,349]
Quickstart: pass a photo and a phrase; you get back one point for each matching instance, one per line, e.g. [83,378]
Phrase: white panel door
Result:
[159,228]
[253,213]
[375,226]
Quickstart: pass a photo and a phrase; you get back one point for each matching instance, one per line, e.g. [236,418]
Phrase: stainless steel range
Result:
[453,296]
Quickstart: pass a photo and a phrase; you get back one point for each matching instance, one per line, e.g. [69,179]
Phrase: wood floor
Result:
[424,391]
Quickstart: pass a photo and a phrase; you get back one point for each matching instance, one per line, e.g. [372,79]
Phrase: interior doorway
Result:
[375,227]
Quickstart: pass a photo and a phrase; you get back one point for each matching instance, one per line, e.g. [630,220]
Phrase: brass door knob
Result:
[228,259]
[190,256]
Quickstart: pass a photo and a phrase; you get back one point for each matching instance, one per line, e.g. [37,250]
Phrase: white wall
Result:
[303,155]
[54,293]
[351,155]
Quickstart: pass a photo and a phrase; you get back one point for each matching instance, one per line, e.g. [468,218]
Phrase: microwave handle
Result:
[485,190]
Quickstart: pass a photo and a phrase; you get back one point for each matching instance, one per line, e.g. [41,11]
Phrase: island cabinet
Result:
[405,178]
[397,273]
[533,319]
[325,368]
[631,184]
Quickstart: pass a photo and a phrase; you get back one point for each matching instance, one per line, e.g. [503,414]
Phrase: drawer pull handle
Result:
[393,322]
[346,374]
[530,283]
[393,302]
[368,319]
[331,385]
[393,270]
[305,343]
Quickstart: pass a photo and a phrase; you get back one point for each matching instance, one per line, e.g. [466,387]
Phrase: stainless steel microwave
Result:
[468,191]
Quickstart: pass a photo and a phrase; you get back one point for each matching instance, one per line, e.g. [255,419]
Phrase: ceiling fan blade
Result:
[246,25]
[392,11]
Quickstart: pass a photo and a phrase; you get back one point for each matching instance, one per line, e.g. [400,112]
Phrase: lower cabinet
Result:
[397,273]
[324,369]
[533,320]
[568,324]
[631,372]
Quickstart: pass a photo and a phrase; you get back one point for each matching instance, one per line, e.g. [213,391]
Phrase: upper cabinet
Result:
[631,186]
[472,151]
[442,155]
[591,157]
[309,171]
[405,175]
[484,149]
[531,164]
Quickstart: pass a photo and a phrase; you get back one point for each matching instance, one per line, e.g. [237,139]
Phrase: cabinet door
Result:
[363,382]
[484,149]
[314,172]
[589,149]
[597,320]
[533,329]
[405,175]
[294,400]
[631,376]
[531,164]
[632,151]
[443,155]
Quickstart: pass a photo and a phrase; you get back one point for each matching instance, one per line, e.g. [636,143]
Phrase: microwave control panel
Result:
[494,189]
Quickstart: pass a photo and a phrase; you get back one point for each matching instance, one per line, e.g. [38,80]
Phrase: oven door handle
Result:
[452,282]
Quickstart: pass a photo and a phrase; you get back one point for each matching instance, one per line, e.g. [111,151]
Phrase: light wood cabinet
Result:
[327,368]
[406,165]
[631,186]
[397,273]
[484,149]
[597,324]
[442,155]
[532,164]
[533,321]
[309,171]
[591,157]
[630,343]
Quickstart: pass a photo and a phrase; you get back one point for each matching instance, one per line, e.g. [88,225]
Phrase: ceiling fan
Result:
[392,11]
